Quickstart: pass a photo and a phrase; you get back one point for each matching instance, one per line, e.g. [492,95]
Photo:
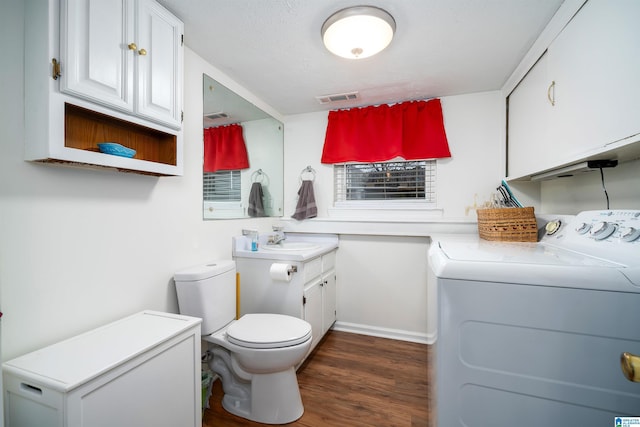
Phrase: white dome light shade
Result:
[358,32]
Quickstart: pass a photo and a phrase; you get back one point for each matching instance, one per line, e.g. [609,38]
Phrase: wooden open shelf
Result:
[84,129]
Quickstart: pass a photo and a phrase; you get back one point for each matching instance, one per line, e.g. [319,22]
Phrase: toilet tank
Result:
[209,292]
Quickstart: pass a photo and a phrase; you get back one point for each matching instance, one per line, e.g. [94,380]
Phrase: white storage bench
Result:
[143,370]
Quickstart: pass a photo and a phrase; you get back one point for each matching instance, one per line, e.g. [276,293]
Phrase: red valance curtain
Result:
[411,130]
[224,149]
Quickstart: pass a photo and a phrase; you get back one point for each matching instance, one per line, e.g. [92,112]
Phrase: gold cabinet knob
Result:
[142,52]
[132,46]
[630,364]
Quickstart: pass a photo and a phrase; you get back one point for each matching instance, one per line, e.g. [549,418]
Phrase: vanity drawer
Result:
[328,261]
[312,269]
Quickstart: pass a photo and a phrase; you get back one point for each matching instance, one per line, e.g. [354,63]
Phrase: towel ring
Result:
[310,170]
[259,176]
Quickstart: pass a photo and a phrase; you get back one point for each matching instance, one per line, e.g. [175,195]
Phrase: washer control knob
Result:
[629,234]
[583,227]
[602,230]
[552,227]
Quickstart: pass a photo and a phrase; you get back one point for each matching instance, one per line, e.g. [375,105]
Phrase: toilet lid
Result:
[262,330]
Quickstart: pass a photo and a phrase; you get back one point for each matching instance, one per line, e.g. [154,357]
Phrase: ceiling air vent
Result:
[214,116]
[337,97]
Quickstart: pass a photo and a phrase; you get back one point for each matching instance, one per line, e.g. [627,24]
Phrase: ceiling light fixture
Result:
[358,32]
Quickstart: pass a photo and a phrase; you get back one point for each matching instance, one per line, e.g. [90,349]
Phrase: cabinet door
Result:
[328,300]
[96,62]
[529,145]
[313,310]
[159,62]
[595,62]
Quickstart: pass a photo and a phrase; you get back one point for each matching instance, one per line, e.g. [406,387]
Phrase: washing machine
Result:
[532,334]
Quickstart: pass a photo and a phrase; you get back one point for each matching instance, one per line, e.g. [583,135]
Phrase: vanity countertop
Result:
[318,245]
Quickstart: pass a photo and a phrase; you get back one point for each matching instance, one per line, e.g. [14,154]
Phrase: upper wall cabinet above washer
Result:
[116,76]
[580,100]
[124,54]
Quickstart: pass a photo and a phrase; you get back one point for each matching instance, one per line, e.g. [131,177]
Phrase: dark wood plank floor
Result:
[355,380]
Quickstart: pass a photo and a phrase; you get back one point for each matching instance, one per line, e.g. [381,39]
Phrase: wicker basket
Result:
[508,224]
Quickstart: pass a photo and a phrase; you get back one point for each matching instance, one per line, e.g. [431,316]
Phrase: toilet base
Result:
[275,399]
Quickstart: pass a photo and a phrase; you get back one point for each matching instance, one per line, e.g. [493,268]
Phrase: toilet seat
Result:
[265,330]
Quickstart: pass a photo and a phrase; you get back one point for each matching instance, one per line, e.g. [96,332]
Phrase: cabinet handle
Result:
[132,46]
[630,364]
[552,87]
[142,52]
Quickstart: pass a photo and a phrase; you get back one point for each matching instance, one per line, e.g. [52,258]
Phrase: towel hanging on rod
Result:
[306,205]
[256,201]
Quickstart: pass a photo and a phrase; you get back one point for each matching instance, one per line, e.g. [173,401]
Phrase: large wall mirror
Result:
[234,193]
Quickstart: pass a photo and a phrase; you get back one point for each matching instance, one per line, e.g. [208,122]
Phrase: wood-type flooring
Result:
[355,380]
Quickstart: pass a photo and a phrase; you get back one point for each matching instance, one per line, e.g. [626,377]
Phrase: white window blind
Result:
[222,186]
[397,181]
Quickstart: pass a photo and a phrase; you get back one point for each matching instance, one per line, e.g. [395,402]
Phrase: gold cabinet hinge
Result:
[55,69]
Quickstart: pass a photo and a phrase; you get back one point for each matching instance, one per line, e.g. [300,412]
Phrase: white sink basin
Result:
[290,246]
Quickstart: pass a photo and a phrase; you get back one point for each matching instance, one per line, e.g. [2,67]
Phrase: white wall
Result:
[474,124]
[382,287]
[585,192]
[80,248]
[382,277]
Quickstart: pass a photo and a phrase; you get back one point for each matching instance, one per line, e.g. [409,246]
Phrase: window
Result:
[222,186]
[385,183]
[221,194]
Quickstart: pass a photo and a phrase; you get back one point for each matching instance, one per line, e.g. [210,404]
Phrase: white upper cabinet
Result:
[125,54]
[580,100]
[529,139]
[96,63]
[159,64]
[595,63]
[103,71]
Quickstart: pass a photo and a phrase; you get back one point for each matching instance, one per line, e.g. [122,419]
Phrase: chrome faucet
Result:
[278,236]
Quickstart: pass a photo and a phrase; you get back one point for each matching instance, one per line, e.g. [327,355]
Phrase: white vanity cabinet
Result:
[311,294]
[580,99]
[319,300]
[143,370]
[125,54]
[100,71]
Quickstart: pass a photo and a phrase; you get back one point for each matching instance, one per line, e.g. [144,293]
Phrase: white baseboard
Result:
[376,331]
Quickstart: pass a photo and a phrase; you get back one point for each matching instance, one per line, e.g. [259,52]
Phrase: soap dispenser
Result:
[254,241]
[252,236]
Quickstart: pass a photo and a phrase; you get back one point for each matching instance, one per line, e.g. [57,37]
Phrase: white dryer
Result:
[531,334]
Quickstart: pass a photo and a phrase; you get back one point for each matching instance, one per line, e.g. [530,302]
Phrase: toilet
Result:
[254,356]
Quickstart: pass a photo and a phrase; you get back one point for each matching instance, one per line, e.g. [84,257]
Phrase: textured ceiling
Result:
[441,47]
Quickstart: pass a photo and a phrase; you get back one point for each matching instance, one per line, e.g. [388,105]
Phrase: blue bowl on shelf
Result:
[116,149]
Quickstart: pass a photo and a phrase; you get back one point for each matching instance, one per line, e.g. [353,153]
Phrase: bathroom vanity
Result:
[308,293]
[143,370]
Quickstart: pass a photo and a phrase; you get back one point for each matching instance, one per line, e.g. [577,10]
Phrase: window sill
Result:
[223,210]
[390,226]
[377,213]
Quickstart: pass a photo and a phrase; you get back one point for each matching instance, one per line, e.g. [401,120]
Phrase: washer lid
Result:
[527,264]
[265,330]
